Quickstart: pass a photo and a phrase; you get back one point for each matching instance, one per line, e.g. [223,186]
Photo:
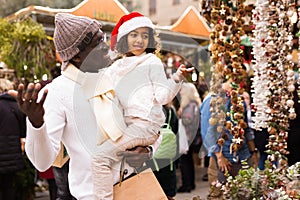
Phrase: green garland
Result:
[25,48]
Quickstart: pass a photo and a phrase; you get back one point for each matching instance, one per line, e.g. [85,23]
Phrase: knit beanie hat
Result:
[126,24]
[70,31]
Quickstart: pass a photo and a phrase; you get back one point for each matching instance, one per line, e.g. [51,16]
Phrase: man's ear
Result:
[76,58]
[76,61]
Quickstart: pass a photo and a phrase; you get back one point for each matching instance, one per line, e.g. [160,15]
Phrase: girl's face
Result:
[138,41]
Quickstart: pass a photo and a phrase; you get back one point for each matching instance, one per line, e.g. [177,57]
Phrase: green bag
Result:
[168,146]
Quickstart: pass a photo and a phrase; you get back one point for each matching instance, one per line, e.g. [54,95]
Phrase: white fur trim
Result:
[133,24]
[112,54]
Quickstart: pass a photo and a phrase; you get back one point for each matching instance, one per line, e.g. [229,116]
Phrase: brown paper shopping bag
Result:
[61,158]
[142,186]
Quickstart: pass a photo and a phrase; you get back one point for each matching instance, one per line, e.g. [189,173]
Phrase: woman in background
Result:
[190,115]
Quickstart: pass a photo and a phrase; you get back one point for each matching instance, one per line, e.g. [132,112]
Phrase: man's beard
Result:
[96,60]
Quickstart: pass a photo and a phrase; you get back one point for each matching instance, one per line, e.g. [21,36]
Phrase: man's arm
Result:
[253,152]
[39,148]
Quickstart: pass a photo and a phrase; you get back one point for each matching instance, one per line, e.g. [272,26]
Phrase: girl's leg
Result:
[106,155]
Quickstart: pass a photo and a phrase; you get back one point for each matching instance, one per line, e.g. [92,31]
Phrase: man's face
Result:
[95,55]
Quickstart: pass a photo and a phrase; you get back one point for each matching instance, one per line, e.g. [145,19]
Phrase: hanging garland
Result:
[273,82]
[298,35]
[218,58]
[276,40]
[274,75]
[227,59]
[259,84]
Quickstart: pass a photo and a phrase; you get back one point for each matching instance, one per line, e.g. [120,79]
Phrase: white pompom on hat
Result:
[126,24]
[70,30]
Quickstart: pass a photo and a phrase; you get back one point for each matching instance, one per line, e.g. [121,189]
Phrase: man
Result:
[61,112]
[221,160]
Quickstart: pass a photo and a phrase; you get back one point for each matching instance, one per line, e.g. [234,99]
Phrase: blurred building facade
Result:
[162,13]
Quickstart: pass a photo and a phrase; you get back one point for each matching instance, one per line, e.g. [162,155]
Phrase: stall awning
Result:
[191,23]
[103,10]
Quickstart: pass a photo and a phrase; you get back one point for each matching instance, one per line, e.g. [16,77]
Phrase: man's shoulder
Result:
[60,81]
[60,86]
[206,100]
[7,100]
[207,97]
[7,97]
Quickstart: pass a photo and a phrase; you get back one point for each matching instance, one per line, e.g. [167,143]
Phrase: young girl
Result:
[141,87]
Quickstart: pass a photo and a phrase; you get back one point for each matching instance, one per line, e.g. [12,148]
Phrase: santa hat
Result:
[126,24]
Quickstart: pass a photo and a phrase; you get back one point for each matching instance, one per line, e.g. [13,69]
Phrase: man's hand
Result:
[254,158]
[136,157]
[223,163]
[27,101]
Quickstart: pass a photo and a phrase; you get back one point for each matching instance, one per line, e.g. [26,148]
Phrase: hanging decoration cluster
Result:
[259,84]
[273,77]
[227,58]
[273,83]
[298,35]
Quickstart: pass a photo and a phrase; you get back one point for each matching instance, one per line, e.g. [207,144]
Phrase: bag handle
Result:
[170,113]
[169,120]
[123,171]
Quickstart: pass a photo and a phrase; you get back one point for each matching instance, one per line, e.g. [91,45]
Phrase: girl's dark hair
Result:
[153,46]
